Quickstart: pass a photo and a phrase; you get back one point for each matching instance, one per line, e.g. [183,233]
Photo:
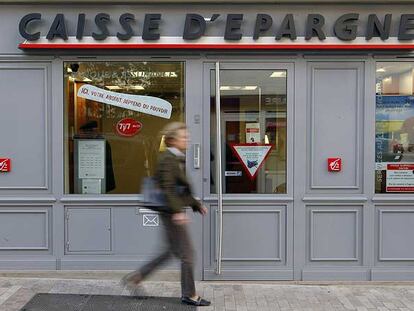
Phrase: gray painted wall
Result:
[326,227]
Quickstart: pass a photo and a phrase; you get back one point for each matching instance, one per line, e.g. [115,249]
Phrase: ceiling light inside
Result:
[381,70]
[238,88]
[278,74]
[113,87]
[136,87]
[229,88]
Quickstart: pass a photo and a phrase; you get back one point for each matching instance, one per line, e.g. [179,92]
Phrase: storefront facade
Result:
[315,152]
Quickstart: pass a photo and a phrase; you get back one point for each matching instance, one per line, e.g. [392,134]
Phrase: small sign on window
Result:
[400,177]
[128,127]
[233,173]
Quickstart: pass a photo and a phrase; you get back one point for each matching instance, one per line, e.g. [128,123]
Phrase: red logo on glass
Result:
[334,164]
[5,165]
[128,127]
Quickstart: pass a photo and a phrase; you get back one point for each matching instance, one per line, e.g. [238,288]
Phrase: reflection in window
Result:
[254,118]
[112,130]
[394,127]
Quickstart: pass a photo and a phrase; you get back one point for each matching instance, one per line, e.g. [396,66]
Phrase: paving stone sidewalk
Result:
[228,296]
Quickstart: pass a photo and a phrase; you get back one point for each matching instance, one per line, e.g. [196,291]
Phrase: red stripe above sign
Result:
[230,46]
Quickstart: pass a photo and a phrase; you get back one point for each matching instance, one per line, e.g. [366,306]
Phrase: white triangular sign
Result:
[252,156]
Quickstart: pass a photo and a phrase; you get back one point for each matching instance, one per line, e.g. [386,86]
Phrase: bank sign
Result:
[346,31]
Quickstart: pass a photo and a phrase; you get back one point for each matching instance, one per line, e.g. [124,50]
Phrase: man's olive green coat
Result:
[173,182]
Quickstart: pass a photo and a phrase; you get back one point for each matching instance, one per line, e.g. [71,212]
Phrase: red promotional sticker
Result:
[5,165]
[334,164]
[128,127]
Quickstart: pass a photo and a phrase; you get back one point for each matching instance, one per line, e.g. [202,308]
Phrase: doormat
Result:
[72,302]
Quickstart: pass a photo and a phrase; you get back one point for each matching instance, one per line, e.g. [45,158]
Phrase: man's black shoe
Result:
[199,302]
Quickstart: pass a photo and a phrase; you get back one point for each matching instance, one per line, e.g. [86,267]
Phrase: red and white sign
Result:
[252,156]
[128,127]
[252,133]
[334,164]
[400,178]
[5,165]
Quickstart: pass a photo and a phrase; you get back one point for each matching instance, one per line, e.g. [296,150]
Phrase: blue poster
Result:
[394,107]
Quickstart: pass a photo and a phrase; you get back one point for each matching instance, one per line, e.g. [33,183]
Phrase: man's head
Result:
[176,135]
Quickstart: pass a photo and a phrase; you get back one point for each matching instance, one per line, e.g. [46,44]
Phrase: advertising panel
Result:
[252,156]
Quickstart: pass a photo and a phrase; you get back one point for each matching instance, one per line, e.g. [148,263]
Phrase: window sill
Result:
[104,198]
[393,198]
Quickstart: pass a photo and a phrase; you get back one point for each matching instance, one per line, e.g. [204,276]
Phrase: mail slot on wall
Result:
[149,218]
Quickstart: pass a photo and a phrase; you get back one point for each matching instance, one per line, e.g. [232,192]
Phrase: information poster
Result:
[91,158]
[400,178]
[394,128]
[252,156]
[252,133]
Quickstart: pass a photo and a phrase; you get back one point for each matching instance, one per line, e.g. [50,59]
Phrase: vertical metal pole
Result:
[219,248]
[262,125]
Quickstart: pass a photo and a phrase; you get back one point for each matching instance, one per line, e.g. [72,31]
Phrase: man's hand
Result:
[203,210]
[180,218]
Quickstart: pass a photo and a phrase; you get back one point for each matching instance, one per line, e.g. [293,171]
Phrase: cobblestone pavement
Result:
[228,296]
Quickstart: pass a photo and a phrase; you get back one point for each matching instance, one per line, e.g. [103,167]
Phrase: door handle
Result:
[197,156]
[219,173]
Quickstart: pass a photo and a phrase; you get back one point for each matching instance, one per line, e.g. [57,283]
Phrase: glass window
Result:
[253,128]
[113,114]
[394,128]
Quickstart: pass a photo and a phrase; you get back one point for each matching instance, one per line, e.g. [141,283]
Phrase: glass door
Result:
[249,168]
[253,107]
